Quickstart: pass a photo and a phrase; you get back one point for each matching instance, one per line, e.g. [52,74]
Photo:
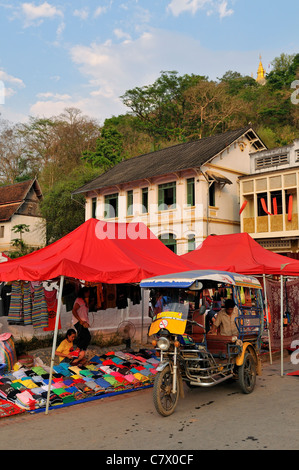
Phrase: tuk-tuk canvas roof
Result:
[189,278]
[240,253]
[98,251]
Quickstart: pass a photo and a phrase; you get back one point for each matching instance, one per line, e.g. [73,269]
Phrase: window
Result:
[144,200]
[167,196]
[169,240]
[262,204]
[212,195]
[190,192]
[130,202]
[297,155]
[2,231]
[111,206]
[276,202]
[271,160]
[93,207]
[191,242]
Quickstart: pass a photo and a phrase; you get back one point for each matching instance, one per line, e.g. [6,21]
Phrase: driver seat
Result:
[198,332]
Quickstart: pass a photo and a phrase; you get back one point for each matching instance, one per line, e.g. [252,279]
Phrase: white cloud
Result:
[120,34]
[35,14]
[223,11]
[177,7]
[100,11]
[5,77]
[82,14]
[54,96]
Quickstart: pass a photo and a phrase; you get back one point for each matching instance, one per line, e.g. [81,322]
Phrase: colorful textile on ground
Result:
[27,388]
[9,409]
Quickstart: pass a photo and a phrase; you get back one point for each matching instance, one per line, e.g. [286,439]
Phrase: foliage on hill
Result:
[66,151]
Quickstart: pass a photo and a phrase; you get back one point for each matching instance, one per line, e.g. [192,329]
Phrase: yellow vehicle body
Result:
[171,321]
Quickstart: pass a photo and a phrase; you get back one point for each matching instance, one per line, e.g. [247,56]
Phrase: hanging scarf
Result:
[15,313]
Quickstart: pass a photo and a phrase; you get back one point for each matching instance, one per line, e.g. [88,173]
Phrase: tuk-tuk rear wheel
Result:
[164,400]
[247,374]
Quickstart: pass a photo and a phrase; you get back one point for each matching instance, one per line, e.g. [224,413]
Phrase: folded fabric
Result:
[91,367]
[39,370]
[86,373]
[112,380]
[140,377]
[37,378]
[28,383]
[59,391]
[18,374]
[131,378]
[55,400]
[18,385]
[26,400]
[96,360]
[102,383]
[75,369]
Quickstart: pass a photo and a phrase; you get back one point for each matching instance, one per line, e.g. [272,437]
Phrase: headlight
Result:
[163,343]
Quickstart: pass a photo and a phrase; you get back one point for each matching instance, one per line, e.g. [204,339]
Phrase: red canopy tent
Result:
[98,251]
[240,253]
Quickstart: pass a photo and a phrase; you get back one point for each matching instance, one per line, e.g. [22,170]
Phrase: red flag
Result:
[264,206]
[290,208]
[243,207]
[274,206]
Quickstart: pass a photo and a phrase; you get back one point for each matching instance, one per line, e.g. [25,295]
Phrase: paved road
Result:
[218,418]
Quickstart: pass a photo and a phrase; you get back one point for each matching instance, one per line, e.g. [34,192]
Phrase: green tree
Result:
[109,149]
[160,108]
[18,243]
[62,211]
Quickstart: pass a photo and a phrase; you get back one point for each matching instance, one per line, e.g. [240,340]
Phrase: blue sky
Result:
[85,54]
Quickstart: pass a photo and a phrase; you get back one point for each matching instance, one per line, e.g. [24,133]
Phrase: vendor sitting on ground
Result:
[66,351]
[225,320]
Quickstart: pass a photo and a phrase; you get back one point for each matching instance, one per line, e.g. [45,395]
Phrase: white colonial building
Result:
[182,193]
[269,197]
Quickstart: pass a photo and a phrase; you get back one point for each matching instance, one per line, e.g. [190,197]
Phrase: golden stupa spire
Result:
[261,73]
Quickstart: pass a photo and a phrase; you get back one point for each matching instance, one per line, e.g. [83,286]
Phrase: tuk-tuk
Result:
[191,349]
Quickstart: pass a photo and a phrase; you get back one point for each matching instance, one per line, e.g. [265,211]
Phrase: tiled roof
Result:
[12,197]
[7,211]
[168,160]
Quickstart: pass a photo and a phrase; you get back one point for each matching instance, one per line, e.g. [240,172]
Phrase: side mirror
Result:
[202,309]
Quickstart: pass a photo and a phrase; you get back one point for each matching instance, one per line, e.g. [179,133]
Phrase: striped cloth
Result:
[8,354]
[27,304]
[39,308]
[16,314]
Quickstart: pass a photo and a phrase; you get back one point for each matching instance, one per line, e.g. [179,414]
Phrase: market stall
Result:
[240,253]
[97,251]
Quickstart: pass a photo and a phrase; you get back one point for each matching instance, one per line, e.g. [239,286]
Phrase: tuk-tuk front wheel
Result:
[164,400]
[247,374]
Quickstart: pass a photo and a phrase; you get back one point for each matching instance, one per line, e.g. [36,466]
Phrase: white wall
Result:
[36,237]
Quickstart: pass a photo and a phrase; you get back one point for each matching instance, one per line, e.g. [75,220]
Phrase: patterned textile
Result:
[15,313]
[8,354]
[27,304]
[51,301]
[39,308]
[291,332]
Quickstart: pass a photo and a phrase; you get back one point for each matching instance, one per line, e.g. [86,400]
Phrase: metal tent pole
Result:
[267,316]
[55,340]
[281,325]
